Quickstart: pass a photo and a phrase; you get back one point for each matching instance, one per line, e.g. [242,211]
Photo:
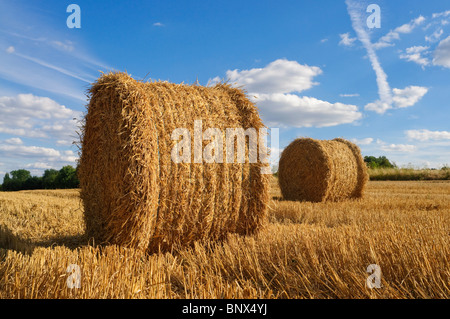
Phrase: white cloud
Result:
[401,148]
[408,96]
[349,95]
[214,80]
[29,74]
[441,14]
[14,141]
[42,58]
[402,98]
[17,155]
[323,40]
[280,76]
[35,116]
[378,106]
[346,40]
[65,142]
[64,46]
[426,135]
[39,165]
[34,106]
[414,54]
[280,109]
[435,36]
[64,159]
[53,67]
[386,41]
[25,151]
[20,131]
[269,88]
[275,153]
[158,24]
[409,27]
[363,141]
[404,148]
[355,10]
[416,49]
[442,53]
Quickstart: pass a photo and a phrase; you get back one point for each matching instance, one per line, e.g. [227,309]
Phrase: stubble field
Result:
[306,250]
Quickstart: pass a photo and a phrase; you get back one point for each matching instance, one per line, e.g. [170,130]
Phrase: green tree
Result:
[49,178]
[384,162]
[378,162]
[6,179]
[6,182]
[17,180]
[20,175]
[33,182]
[67,177]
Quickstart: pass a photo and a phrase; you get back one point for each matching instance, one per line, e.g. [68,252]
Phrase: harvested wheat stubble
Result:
[134,195]
[320,170]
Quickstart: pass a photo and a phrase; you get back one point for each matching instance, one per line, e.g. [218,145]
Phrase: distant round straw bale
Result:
[135,195]
[320,170]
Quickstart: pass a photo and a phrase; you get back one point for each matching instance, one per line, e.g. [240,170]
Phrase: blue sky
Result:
[313,68]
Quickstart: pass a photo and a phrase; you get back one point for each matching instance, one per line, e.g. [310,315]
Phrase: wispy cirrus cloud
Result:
[435,35]
[388,39]
[423,55]
[441,14]
[355,10]
[38,56]
[42,57]
[417,54]
[53,67]
[346,40]
[388,98]
[349,95]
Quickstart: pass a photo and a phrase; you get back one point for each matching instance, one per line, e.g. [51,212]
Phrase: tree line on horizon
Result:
[21,179]
[378,162]
[66,177]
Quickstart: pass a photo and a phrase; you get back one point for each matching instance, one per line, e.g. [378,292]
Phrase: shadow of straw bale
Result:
[11,241]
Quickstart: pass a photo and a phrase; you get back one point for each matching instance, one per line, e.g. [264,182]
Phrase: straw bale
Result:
[320,170]
[133,193]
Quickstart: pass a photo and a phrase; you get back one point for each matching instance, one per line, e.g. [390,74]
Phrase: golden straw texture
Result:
[320,170]
[133,193]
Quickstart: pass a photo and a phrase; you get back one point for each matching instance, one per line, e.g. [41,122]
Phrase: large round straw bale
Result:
[320,170]
[135,195]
